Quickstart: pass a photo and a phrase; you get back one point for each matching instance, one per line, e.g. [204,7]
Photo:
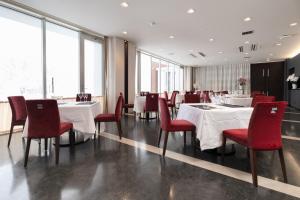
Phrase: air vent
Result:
[193,55]
[241,49]
[201,54]
[253,47]
[248,32]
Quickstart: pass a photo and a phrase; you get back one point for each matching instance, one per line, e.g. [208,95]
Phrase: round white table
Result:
[239,101]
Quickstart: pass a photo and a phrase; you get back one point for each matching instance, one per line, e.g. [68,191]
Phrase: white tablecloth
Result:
[246,102]
[210,123]
[139,103]
[82,117]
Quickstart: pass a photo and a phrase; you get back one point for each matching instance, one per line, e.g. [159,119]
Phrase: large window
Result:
[62,48]
[24,40]
[20,55]
[158,75]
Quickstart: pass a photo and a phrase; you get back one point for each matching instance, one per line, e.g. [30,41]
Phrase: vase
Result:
[294,86]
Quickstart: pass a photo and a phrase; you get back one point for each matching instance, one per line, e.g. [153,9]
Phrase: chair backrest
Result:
[265,125]
[256,93]
[165,119]
[123,100]
[166,95]
[189,92]
[89,97]
[224,92]
[18,108]
[261,99]
[205,97]
[143,93]
[43,118]
[151,104]
[173,97]
[119,107]
[191,98]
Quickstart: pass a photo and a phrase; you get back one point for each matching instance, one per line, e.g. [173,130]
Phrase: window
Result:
[93,65]
[20,55]
[158,75]
[62,53]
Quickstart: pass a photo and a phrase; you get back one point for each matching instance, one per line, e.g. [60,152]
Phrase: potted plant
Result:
[293,79]
[242,82]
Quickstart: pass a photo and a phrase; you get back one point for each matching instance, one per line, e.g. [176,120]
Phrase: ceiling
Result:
[222,20]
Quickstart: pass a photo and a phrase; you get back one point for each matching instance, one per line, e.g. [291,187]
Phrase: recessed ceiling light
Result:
[247,19]
[124,32]
[268,59]
[294,24]
[220,52]
[190,11]
[278,44]
[247,42]
[124,4]
[171,36]
[211,39]
[246,53]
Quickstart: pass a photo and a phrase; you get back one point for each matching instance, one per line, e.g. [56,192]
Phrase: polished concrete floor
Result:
[106,169]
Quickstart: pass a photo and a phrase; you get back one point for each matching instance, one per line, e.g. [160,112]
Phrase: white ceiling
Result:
[218,19]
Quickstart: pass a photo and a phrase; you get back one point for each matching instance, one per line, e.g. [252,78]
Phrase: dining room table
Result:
[81,115]
[211,120]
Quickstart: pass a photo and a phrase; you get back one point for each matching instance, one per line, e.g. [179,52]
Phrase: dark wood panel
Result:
[258,73]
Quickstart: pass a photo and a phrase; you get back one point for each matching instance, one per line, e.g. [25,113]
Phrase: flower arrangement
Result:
[292,78]
[242,81]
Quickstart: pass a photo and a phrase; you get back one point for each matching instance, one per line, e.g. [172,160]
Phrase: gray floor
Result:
[105,169]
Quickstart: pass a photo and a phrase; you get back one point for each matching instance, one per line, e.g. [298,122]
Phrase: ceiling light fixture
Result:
[211,39]
[124,32]
[247,42]
[246,53]
[293,24]
[278,44]
[247,19]
[220,52]
[268,59]
[124,4]
[190,11]
[171,36]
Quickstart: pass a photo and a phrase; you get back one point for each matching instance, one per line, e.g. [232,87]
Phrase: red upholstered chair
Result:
[256,93]
[261,99]
[151,104]
[166,95]
[167,125]
[263,133]
[44,122]
[172,103]
[189,92]
[143,93]
[19,113]
[205,97]
[125,105]
[89,97]
[112,117]
[191,98]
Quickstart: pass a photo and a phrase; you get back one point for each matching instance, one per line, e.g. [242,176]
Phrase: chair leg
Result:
[119,129]
[99,123]
[46,144]
[280,151]
[184,137]
[57,140]
[223,147]
[253,166]
[71,137]
[165,143]
[159,137]
[27,151]
[10,134]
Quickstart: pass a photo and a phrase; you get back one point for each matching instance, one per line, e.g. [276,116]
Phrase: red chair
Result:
[166,95]
[89,97]
[19,113]
[151,105]
[189,92]
[205,97]
[125,105]
[167,125]
[143,93]
[263,134]
[172,103]
[256,93]
[44,122]
[261,99]
[112,117]
[191,98]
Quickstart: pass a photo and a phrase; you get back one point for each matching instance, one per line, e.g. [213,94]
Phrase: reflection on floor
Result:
[107,169]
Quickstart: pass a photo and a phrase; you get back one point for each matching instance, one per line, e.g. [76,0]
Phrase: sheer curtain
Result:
[221,77]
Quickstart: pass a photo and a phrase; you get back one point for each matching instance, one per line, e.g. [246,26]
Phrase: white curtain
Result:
[221,77]
[187,78]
